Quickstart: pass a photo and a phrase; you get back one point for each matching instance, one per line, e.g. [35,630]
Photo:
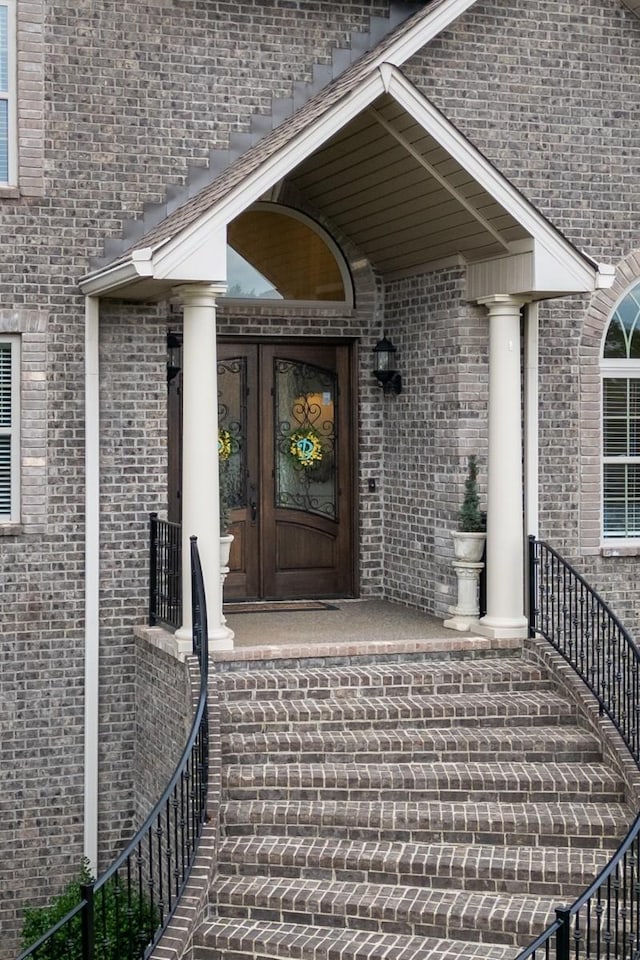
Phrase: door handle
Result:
[252,497]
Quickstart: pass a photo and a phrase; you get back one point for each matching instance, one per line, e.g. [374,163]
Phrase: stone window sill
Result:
[620,549]
[9,193]
[11,529]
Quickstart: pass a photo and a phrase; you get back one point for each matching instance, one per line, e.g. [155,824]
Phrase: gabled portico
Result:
[375,158]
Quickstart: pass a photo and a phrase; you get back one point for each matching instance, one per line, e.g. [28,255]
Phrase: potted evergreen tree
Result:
[469,538]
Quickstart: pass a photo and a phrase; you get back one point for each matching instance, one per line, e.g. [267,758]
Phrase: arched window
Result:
[621,420]
[274,253]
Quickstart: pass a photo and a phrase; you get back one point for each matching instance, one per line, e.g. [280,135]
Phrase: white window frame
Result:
[618,368]
[10,95]
[13,430]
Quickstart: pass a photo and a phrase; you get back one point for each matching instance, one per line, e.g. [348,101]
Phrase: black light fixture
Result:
[384,364]
[174,346]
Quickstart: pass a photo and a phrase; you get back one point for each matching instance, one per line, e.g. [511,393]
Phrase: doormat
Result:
[278,606]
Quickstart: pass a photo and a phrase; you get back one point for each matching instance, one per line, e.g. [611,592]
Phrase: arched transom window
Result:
[621,420]
[275,253]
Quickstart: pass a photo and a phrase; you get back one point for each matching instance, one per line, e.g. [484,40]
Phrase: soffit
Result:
[400,196]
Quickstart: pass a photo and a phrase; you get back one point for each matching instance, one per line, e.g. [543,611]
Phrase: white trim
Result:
[13,430]
[442,16]
[531,413]
[118,274]
[11,95]
[92,580]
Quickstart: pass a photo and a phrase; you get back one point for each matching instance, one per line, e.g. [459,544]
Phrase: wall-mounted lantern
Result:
[384,366]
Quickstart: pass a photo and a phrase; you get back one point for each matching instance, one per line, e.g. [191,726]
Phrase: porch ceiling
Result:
[401,197]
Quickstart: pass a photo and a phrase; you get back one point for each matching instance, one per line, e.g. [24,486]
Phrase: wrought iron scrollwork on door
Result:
[232,419]
[305,399]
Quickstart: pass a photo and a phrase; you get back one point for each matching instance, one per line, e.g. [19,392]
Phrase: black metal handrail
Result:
[123,914]
[605,920]
[165,572]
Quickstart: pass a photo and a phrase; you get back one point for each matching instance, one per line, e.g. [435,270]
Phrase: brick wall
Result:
[163,716]
[430,429]
[117,131]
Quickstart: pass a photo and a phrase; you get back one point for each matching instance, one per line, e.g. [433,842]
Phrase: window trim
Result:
[615,368]
[13,430]
[10,95]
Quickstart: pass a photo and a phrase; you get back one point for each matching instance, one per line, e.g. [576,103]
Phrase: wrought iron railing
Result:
[604,922]
[123,914]
[165,572]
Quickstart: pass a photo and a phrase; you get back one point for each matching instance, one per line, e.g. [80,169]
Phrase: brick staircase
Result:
[431,808]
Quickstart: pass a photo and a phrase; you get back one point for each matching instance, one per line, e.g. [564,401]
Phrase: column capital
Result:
[502,303]
[199,294]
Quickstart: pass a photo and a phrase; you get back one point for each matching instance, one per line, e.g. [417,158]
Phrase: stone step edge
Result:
[313,943]
[294,653]
[391,858]
[584,824]
[524,776]
[515,916]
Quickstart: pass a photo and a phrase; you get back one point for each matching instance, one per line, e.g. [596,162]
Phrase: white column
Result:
[505,525]
[200,481]
[531,430]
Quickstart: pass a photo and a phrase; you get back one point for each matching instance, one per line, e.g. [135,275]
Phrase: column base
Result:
[461,622]
[220,638]
[501,628]
[184,642]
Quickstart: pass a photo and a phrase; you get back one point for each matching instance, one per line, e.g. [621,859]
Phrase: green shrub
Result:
[122,923]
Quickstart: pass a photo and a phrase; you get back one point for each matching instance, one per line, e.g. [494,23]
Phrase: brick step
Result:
[518,869]
[506,824]
[532,744]
[383,908]
[376,680]
[500,709]
[521,782]
[239,939]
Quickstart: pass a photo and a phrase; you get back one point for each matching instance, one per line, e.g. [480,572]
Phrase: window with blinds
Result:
[7,94]
[621,420]
[9,430]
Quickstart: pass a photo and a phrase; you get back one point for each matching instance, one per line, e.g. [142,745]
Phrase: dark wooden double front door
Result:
[285,414]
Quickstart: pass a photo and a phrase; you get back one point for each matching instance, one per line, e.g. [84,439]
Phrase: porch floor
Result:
[340,628]
[337,621]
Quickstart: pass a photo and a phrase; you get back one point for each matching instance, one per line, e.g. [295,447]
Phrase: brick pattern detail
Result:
[163,716]
[31,97]
[429,430]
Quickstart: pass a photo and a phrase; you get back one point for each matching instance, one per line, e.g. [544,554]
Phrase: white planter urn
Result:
[467,548]
[225,549]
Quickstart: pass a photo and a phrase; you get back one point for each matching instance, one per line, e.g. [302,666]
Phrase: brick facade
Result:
[110,134]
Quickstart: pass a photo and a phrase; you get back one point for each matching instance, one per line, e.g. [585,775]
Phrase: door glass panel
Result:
[232,421]
[305,438]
